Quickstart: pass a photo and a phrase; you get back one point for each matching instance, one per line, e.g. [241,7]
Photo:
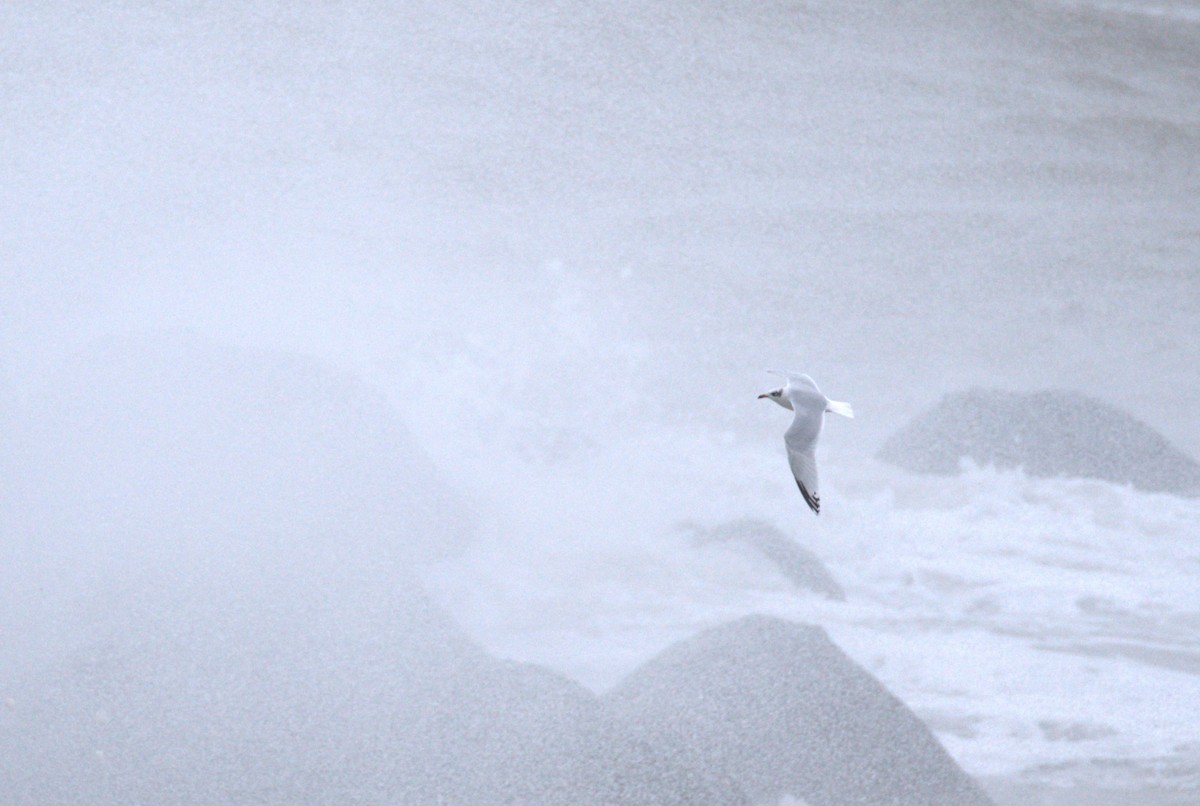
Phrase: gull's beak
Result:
[760,397]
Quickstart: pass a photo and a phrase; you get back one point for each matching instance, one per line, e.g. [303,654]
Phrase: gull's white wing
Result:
[801,442]
[797,380]
[803,382]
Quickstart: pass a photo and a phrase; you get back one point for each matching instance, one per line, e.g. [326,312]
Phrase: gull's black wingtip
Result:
[813,501]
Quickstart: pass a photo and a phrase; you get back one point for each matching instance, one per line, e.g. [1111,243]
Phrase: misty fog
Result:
[378,389]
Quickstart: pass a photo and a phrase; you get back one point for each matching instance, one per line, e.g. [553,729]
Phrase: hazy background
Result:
[563,239]
[674,195]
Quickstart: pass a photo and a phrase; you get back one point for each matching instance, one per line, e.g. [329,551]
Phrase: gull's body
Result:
[802,396]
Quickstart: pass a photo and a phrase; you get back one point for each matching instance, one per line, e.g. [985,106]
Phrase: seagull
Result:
[801,395]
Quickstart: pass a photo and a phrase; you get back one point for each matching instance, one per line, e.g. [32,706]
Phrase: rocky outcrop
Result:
[261,688]
[782,711]
[212,600]
[794,562]
[1052,433]
[170,438]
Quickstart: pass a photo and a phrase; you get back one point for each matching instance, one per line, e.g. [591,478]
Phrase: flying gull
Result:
[802,396]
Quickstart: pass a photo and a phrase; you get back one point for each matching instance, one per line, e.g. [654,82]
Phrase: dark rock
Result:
[211,599]
[1054,433]
[799,565]
[780,709]
[294,690]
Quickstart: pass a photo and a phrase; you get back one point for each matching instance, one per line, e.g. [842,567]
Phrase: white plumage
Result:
[801,395]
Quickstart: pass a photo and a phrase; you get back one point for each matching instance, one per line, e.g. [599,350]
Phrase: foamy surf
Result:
[1035,624]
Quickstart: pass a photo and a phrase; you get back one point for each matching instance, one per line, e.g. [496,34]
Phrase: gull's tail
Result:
[838,407]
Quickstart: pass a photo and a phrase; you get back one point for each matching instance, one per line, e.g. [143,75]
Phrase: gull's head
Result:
[777,396]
